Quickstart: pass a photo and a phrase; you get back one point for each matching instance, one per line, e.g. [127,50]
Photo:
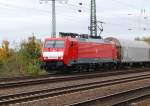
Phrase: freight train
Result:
[83,53]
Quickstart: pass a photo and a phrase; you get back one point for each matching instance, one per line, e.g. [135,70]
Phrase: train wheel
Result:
[119,66]
[114,66]
[47,69]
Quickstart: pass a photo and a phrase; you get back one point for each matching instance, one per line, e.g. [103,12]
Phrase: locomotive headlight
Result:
[45,57]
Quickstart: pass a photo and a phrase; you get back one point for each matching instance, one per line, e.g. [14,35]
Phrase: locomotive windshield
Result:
[54,44]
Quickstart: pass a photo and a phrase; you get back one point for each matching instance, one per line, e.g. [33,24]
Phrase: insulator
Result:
[79,10]
[80,4]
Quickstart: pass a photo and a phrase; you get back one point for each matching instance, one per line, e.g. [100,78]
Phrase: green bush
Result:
[13,66]
[30,52]
[33,69]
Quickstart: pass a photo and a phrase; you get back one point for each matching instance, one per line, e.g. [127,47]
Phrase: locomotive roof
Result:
[82,40]
[93,40]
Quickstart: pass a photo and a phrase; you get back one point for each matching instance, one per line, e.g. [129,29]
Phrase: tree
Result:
[30,52]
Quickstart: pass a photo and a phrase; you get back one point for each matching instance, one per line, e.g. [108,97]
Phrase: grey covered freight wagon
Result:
[132,51]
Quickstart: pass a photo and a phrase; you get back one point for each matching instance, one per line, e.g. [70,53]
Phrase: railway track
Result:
[45,93]
[52,78]
[117,99]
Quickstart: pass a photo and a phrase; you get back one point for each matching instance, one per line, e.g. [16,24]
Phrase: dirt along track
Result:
[71,90]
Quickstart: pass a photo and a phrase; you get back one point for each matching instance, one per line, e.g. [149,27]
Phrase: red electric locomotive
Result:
[77,53]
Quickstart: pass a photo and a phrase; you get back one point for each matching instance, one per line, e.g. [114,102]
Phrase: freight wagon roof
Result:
[137,44]
[129,43]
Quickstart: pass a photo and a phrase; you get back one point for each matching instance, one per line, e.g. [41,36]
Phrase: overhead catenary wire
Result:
[71,7]
[127,5]
[31,8]
[74,11]
[124,26]
[141,15]
[34,10]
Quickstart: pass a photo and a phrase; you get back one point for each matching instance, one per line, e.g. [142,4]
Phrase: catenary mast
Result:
[53,17]
[93,20]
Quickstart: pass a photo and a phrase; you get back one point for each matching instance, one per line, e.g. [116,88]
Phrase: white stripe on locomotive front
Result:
[53,55]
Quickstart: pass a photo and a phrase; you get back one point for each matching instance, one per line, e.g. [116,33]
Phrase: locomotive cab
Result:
[53,52]
[53,49]
[58,52]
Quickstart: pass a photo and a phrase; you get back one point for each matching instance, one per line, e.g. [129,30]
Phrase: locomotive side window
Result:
[54,44]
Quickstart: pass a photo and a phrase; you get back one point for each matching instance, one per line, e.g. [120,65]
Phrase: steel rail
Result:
[117,98]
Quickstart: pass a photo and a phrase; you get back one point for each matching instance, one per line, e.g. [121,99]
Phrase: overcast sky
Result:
[20,18]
